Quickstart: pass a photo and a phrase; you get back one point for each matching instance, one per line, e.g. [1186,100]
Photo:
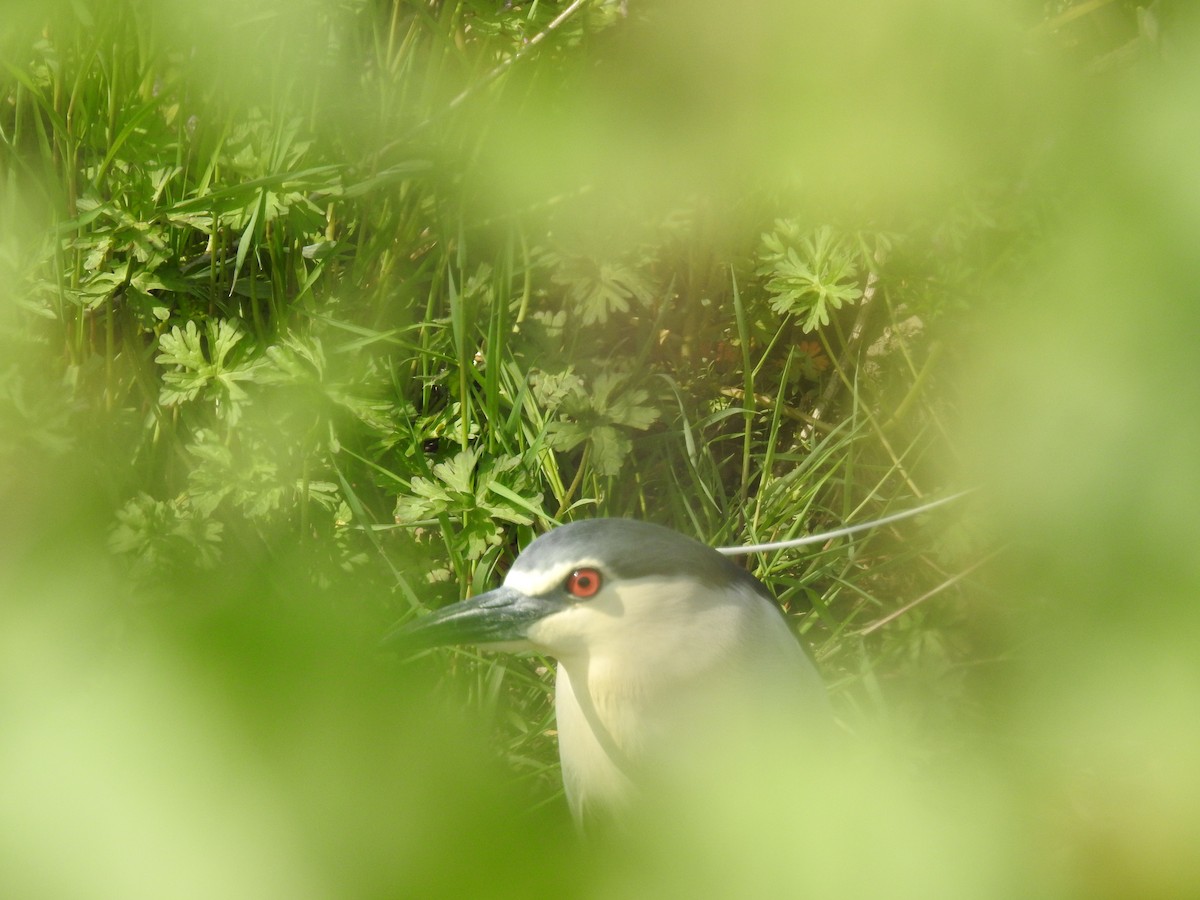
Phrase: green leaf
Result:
[817,273]
[565,435]
[550,388]
[532,505]
[477,496]
[205,367]
[599,416]
[609,449]
[597,289]
[456,473]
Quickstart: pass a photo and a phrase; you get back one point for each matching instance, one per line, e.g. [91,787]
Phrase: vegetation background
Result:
[313,313]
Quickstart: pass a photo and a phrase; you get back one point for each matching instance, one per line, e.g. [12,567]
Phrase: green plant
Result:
[599,416]
[809,275]
[475,498]
[314,353]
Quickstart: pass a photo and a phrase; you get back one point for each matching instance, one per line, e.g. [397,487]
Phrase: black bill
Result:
[497,617]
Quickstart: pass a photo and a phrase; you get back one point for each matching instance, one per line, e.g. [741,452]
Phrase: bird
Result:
[661,645]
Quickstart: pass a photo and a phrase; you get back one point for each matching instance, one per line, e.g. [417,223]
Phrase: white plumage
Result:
[663,646]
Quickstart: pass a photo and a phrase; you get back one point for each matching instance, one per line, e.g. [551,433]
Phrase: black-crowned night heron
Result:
[660,641]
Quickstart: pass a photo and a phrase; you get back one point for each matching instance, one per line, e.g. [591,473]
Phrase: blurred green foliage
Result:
[312,314]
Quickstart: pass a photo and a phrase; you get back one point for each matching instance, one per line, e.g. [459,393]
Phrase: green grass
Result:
[312,315]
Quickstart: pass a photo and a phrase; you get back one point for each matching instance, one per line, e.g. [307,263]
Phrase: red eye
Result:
[583,583]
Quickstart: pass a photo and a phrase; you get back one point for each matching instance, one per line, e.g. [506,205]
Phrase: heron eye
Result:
[583,583]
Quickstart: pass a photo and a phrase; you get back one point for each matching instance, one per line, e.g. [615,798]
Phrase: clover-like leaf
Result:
[205,366]
[249,478]
[597,289]
[600,416]
[809,278]
[551,388]
[478,495]
[158,535]
[609,449]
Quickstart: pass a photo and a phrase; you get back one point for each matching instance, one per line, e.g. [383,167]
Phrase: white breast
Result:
[645,692]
